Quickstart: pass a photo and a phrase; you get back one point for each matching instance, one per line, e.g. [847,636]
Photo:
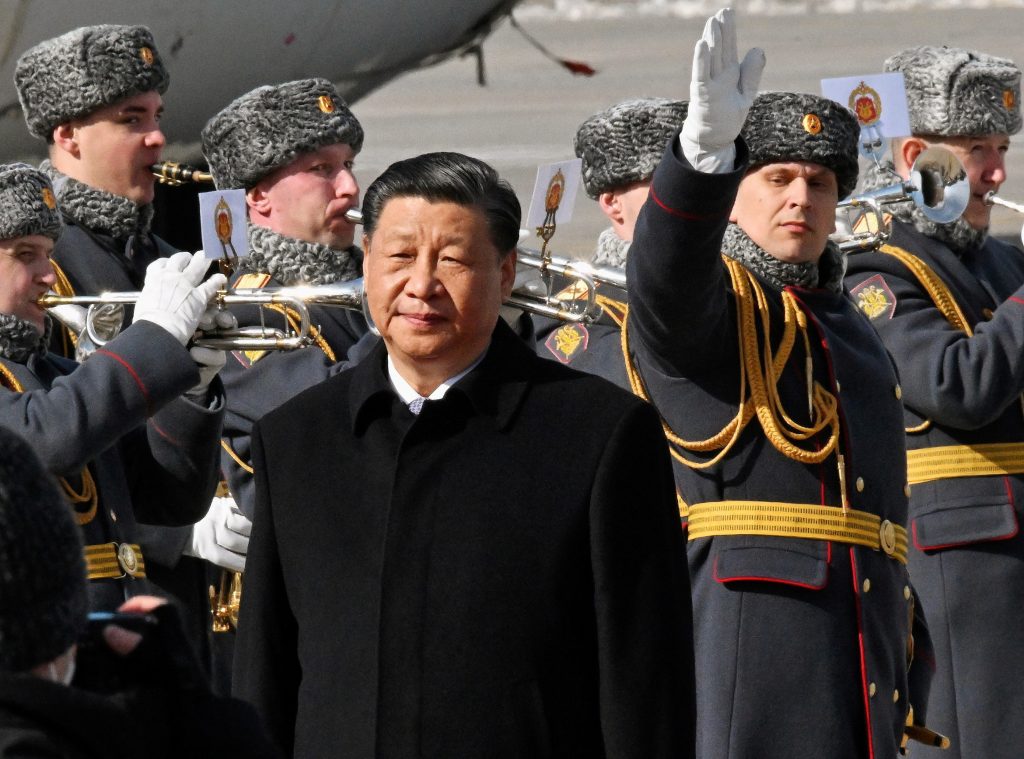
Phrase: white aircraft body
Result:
[216,50]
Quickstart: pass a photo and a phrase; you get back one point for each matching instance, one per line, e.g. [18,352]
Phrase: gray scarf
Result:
[611,250]
[20,340]
[958,235]
[827,273]
[97,209]
[294,262]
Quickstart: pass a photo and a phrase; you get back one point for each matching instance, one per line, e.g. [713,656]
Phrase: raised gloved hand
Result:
[174,295]
[721,92]
[222,536]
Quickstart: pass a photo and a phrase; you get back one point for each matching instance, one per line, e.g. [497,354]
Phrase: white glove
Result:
[222,536]
[721,92]
[209,361]
[174,295]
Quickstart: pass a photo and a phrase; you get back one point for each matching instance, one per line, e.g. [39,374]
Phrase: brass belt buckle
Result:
[127,559]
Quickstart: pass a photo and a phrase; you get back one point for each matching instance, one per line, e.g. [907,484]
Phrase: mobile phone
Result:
[99,668]
[139,622]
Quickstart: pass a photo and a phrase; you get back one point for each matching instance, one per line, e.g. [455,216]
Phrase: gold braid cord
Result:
[89,493]
[760,371]
[940,294]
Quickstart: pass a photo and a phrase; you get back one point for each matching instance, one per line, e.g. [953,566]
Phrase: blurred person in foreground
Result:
[506,571]
[135,694]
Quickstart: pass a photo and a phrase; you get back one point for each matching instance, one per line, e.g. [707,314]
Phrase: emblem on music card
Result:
[48,199]
[1009,99]
[565,341]
[325,104]
[874,298]
[866,103]
[812,124]
[146,55]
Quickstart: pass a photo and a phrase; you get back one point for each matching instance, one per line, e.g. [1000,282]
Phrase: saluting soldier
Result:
[292,148]
[947,300]
[132,433]
[619,147]
[786,423]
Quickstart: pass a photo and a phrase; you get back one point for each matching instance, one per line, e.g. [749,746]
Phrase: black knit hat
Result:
[71,76]
[623,144]
[27,203]
[270,126]
[43,595]
[795,126]
[959,92]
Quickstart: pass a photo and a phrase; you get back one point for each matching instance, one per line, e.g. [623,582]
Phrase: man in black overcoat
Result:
[461,549]
[946,300]
[784,413]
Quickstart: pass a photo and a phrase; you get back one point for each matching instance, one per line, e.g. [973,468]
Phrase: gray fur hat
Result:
[71,76]
[954,92]
[796,126]
[270,126]
[43,594]
[623,144]
[27,203]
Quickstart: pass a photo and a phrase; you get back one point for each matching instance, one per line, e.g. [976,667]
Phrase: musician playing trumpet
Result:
[131,434]
[292,148]
[947,301]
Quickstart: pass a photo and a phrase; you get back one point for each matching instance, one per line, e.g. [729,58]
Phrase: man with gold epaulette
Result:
[619,147]
[291,147]
[786,426]
[947,301]
[132,434]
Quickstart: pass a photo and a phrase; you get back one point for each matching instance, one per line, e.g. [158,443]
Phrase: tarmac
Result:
[530,107]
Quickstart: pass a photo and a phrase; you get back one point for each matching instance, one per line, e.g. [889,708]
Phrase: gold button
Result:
[887,537]
[906,490]
[988,313]
[867,585]
[860,484]
[899,392]
[837,386]
[906,592]
[895,696]
[871,690]
[113,516]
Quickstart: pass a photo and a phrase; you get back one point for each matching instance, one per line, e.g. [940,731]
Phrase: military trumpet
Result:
[176,174]
[938,185]
[296,300]
[577,271]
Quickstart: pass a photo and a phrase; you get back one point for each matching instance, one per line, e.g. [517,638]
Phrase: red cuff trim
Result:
[681,214]
[1015,300]
[133,373]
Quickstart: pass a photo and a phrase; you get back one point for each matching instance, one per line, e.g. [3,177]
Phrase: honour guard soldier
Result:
[946,300]
[133,432]
[292,148]
[784,415]
[619,147]
[94,95]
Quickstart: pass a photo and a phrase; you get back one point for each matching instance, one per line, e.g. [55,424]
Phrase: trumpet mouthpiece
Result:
[354,215]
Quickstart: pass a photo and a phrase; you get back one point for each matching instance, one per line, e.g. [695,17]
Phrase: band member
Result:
[619,147]
[946,300]
[94,95]
[564,632]
[785,418]
[132,432]
[292,148]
